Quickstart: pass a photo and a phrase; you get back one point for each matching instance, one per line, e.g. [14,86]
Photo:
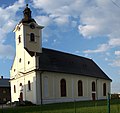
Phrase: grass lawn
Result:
[81,107]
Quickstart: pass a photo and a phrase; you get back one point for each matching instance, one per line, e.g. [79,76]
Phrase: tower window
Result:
[19,39]
[32,37]
[20,84]
[20,60]
[14,89]
[28,62]
[18,28]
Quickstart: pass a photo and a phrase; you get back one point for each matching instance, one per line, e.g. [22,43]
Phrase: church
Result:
[43,75]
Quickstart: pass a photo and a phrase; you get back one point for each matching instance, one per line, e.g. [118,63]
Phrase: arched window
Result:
[63,87]
[32,37]
[93,86]
[104,89]
[80,88]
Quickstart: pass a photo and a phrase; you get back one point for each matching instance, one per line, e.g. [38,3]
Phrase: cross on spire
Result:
[26,2]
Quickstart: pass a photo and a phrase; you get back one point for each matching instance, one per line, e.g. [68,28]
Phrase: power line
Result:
[115,3]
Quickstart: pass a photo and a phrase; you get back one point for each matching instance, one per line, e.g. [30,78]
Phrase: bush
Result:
[115,96]
[28,103]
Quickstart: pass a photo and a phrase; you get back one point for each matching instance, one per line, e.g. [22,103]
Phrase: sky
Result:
[88,28]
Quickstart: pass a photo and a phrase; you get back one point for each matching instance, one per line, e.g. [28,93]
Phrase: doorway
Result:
[21,96]
[93,96]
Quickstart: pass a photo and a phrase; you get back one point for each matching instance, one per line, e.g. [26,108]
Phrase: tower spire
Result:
[27,18]
[27,13]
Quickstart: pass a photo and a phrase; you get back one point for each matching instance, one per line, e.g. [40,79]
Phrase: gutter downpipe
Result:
[41,87]
[97,89]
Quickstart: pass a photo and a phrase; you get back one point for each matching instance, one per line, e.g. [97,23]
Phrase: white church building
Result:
[43,75]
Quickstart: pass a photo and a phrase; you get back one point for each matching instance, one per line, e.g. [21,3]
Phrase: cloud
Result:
[61,11]
[101,48]
[6,51]
[117,53]
[114,42]
[115,86]
[103,17]
[48,6]
[43,20]
[96,18]
[8,20]
[116,62]
[62,20]
[102,20]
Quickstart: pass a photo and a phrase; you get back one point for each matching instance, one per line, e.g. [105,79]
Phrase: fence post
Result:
[108,102]
[75,105]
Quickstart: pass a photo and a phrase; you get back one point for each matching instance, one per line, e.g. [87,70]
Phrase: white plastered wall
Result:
[72,87]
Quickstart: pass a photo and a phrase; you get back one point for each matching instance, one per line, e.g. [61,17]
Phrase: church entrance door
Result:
[93,96]
[21,96]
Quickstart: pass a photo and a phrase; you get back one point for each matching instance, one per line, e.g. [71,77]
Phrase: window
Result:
[63,87]
[93,86]
[14,89]
[29,86]
[80,88]
[28,62]
[32,37]
[19,39]
[20,84]
[20,60]
[21,87]
[104,89]
[4,91]
[18,28]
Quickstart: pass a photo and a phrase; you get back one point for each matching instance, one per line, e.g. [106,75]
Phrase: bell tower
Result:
[28,33]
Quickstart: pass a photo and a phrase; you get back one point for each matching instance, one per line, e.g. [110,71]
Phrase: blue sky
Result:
[82,27]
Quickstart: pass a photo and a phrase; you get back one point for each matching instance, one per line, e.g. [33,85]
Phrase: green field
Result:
[77,107]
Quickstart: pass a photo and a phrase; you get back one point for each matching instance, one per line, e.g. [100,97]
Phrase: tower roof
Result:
[27,18]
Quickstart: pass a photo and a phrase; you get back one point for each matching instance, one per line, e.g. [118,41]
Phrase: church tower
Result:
[28,33]
[28,38]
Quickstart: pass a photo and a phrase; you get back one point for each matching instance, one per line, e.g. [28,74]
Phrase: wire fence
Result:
[112,105]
